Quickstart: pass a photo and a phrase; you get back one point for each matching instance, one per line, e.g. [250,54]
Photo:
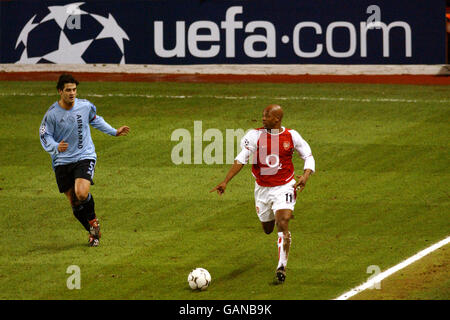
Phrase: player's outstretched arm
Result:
[234,170]
[100,124]
[122,131]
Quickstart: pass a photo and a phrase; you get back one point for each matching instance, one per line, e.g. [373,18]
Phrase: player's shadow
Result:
[275,282]
[237,272]
[243,269]
[49,248]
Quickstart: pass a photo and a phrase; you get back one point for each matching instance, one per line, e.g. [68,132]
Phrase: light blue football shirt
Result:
[72,126]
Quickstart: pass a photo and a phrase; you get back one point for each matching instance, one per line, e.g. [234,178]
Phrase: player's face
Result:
[69,93]
[269,120]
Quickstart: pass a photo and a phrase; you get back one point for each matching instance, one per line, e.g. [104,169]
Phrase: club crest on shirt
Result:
[286,145]
[42,129]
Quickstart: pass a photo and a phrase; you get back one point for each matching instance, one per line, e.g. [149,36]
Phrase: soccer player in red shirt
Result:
[272,147]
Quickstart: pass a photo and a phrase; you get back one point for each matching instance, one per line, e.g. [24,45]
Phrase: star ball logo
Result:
[77,37]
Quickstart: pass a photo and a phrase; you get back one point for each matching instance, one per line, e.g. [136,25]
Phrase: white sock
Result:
[284,243]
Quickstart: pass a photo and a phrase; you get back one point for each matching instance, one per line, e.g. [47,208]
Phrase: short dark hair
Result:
[65,78]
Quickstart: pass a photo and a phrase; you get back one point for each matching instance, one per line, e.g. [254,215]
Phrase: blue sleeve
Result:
[99,123]
[92,111]
[46,131]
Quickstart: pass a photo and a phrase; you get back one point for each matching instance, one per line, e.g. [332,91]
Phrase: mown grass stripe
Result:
[153,96]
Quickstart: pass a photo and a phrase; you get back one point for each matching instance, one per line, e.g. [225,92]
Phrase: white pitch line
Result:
[377,279]
[152,96]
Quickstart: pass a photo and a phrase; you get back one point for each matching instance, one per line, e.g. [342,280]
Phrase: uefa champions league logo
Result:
[78,37]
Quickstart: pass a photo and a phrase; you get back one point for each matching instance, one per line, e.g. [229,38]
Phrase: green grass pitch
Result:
[380,193]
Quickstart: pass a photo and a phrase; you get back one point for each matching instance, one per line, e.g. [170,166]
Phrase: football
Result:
[199,279]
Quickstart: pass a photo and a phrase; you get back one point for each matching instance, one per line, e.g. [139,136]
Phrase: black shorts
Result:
[66,174]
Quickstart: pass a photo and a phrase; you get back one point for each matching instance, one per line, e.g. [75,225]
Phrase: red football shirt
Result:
[272,155]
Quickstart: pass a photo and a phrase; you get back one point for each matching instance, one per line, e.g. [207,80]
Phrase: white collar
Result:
[275,134]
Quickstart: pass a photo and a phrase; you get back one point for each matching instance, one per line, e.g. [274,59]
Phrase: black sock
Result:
[79,214]
[89,207]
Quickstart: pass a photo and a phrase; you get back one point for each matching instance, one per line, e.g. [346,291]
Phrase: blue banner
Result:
[223,32]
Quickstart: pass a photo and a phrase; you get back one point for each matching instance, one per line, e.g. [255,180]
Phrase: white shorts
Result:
[268,200]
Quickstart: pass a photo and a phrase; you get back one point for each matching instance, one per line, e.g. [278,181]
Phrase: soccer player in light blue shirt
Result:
[65,134]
